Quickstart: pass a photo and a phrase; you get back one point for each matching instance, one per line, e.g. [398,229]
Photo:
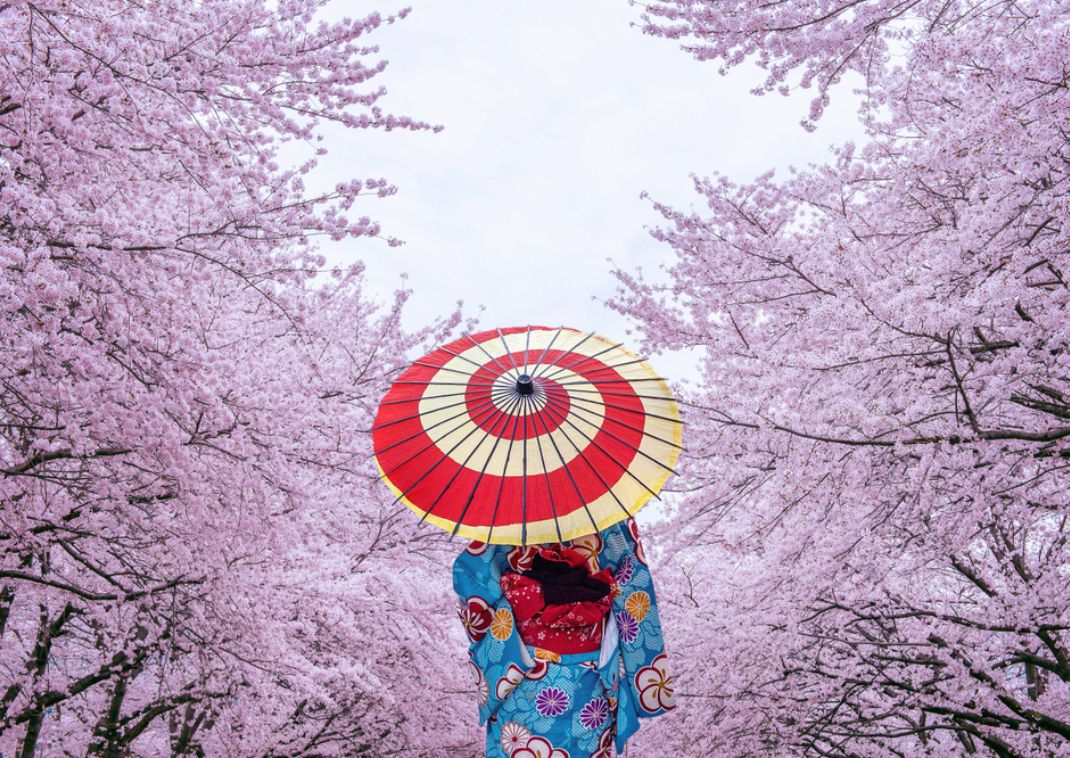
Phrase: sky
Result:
[557,115]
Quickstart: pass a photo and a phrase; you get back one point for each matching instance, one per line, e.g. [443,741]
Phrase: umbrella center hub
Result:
[524,385]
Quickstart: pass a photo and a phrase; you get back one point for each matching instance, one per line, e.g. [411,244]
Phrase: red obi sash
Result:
[560,604]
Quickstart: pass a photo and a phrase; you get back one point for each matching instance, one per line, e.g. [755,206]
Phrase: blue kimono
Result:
[538,704]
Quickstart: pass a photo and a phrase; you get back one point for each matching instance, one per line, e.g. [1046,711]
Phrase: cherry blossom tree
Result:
[870,557]
[196,556]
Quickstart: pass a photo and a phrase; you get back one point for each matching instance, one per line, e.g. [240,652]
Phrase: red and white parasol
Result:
[527,435]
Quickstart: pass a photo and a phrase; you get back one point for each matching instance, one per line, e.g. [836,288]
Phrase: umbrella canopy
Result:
[527,435]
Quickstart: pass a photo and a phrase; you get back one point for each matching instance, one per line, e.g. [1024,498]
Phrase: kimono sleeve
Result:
[497,655]
[645,682]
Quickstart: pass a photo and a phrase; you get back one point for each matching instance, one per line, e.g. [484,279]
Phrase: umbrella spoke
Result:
[663,398]
[483,470]
[549,484]
[441,459]
[631,447]
[505,371]
[570,351]
[626,425]
[443,368]
[564,465]
[604,367]
[464,465]
[505,468]
[509,353]
[616,381]
[546,349]
[504,389]
[584,359]
[625,468]
[527,345]
[418,415]
[418,398]
[645,414]
[595,471]
[462,357]
[426,382]
[524,478]
[425,429]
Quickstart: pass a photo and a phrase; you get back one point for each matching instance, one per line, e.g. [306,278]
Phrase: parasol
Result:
[527,435]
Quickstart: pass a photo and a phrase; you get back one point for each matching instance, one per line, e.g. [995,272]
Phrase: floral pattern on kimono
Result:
[539,704]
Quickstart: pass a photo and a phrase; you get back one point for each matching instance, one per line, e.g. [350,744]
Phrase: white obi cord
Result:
[609,640]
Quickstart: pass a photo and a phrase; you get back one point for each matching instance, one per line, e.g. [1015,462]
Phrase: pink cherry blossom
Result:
[196,557]
[870,557]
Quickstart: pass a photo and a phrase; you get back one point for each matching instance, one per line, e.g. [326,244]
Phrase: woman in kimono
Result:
[566,644]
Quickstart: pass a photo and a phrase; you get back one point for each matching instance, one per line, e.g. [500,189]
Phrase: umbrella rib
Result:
[466,372]
[509,352]
[505,469]
[579,454]
[524,479]
[483,470]
[550,344]
[617,381]
[546,474]
[460,468]
[569,351]
[603,367]
[663,398]
[564,465]
[505,371]
[417,415]
[462,357]
[417,398]
[573,398]
[527,346]
[624,468]
[636,449]
[584,359]
[644,432]
[451,384]
[424,430]
[436,464]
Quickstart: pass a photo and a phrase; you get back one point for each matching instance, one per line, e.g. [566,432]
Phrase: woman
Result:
[566,643]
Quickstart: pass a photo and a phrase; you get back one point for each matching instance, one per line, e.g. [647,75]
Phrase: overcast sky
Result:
[557,115]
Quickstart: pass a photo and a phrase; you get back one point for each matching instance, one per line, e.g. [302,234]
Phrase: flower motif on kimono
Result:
[513,676]
[638,605]
[625,570]
[542,654]
[502,624]
[520,558]
[482,691]
[655,686]
[589,545]
[627,627]
[595,714]
[539,670]
[633,529]
[605,744]
[476,618]
[539,747]
[551,701]
[514,736]
[475,547]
